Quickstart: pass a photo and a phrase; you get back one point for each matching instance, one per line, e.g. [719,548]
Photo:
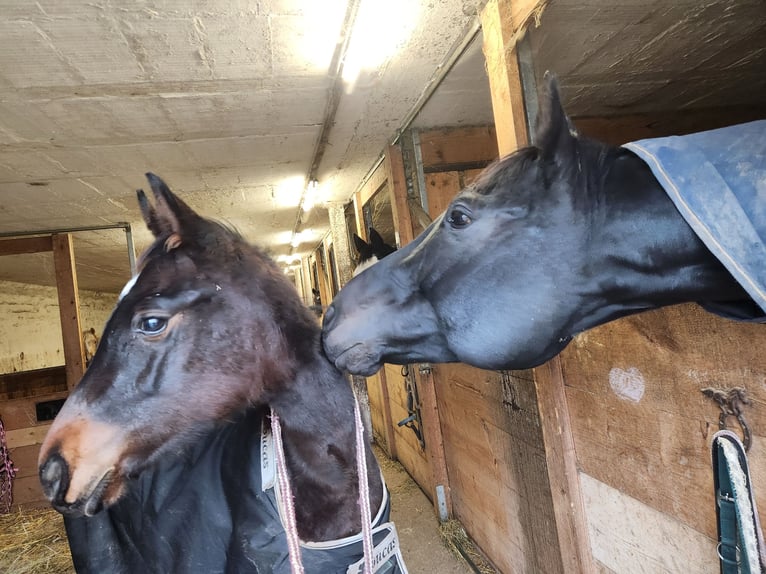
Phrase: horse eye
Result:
[458,219]
[152,325]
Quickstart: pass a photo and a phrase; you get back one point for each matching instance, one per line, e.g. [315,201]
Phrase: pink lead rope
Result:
[7,474]
[291,528]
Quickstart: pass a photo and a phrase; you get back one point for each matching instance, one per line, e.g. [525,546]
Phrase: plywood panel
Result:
[20,413]
[641,424]
[376,409]
[409,451]
[441,188]
[25,460]
[30,383]
[444,149]
[622,529]
[28,493]
[497,466]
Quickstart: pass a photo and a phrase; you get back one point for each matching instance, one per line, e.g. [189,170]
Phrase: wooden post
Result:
[69,307]
[397,186]
[503,24]
[388,421]
[498,26]
[434,439]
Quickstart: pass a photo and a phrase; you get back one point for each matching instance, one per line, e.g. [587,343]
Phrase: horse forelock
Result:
[505,171]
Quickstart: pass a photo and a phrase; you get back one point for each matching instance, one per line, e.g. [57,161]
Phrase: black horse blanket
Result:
[215,511]
[717,180]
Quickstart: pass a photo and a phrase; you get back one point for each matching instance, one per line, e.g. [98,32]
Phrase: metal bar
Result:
[131,249]
[119,225]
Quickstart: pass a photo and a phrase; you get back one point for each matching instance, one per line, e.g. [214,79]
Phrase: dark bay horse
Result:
[156,458]
[552,240]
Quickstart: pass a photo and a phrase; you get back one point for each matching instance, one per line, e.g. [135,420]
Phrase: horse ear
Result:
[362,247]
[148,213]
[376,241]
[554,136]
[171,213]
[379,246]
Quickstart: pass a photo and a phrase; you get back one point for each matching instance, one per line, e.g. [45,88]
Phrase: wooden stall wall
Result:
[642,430]
[49,321]
[491,437]
[642,427]
[386,388]
[625,428]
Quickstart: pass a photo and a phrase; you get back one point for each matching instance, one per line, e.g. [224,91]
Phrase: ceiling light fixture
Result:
[379,31]
[311,196]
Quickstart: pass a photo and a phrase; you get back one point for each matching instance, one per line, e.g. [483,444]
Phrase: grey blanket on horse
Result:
[717,180]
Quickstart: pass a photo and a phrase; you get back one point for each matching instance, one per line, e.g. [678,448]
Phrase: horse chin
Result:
[104,493]
[359,360]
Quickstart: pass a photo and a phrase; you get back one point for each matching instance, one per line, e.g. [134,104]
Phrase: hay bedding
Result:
[34,542]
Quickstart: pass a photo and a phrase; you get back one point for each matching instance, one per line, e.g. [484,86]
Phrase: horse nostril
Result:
[54,477]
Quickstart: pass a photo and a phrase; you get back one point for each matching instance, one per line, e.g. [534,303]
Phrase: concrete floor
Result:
[423,550]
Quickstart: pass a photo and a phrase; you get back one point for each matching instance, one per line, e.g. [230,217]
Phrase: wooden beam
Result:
[69,307]
[448,149]
[503,23]
[27,436]
[24,245]
[373,183]
[500,34]
[388,422]
[397,186]
[563,474]
[359,215]
[434,439]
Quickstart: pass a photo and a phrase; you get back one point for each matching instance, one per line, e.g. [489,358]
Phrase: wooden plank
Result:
[28,436]
[434,440]
[497,468]
[32,383]
[69,307]
[376,181]
[398,190]
[441,188]
[659,544]
[441,149]
[27,493]
[20,413]
[25,460]
[633,390]
[618,130]
[498,29]
[358,206]
[376,411]
[387,421]
[23,245]
[561,459]
[503,22]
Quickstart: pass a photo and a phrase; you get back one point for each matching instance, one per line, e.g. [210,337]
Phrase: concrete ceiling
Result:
[225,99]
[234,104]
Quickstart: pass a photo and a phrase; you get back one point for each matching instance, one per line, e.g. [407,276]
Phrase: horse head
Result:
[549,241]
[372,252]
[171,363]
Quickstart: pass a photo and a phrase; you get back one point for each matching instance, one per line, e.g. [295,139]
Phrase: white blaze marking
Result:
[128,287]
[628,385]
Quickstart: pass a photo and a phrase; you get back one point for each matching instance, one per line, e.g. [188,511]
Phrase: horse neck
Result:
[318,432]
[641,253]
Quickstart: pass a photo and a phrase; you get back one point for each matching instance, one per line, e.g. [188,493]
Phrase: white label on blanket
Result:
[268,456]
[386,554]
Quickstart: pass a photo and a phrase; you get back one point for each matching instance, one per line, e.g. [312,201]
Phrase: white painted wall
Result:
[30,328]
